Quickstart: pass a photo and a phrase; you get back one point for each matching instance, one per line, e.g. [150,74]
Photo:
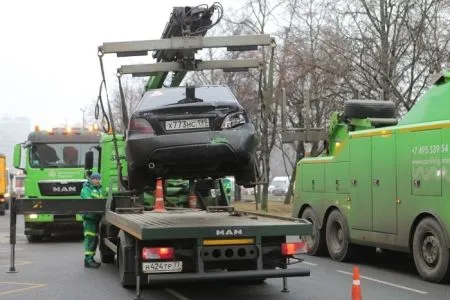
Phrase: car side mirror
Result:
[17,156]
[89,160]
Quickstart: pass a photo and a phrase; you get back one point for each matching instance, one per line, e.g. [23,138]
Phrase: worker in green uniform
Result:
[91,190]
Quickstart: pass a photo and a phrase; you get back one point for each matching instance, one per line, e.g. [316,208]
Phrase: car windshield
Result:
[170,96]
[59,155]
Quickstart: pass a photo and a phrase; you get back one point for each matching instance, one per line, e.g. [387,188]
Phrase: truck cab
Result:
[54,169]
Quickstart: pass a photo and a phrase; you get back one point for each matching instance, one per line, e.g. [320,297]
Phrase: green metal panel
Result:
[361,183]
[314,180]
[426,160]
[337,178]
[384,184]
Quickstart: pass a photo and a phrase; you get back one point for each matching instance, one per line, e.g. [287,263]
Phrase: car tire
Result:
[338,237]
[369,109]
[431,251]
[2,213]
[34,238]
[139,181]
[316,244]
[247,176]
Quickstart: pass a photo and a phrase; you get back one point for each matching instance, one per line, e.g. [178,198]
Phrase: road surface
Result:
[54,270]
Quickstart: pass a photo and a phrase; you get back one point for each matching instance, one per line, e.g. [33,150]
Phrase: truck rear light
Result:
[140,125]
[157,253]
[294,248]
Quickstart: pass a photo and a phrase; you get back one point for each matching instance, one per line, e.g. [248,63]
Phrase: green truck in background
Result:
[3,184]
[383,183]
[54,169]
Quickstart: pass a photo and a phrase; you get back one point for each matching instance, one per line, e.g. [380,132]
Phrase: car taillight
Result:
[157,253]
[294,248]
[140,125]
[234,119]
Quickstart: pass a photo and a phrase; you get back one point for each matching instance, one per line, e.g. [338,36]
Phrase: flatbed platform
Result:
[198,224]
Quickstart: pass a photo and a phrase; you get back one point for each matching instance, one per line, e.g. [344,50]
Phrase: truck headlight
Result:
[33,216]
[7,195]
[233,120]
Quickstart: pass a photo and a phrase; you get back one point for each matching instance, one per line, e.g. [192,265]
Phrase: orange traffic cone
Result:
[356,286]
[159,197]
[192,201]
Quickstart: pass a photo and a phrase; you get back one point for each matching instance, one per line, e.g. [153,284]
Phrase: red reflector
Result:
[157,253]
[294,248]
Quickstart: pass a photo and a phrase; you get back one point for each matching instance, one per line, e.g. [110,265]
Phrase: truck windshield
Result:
[59,155]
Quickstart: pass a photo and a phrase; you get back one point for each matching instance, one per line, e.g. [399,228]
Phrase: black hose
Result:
[104,114]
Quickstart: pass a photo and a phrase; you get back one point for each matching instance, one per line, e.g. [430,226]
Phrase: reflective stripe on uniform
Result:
[89,233]
[89,252]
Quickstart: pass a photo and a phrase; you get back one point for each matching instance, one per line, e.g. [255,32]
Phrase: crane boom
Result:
[184,21]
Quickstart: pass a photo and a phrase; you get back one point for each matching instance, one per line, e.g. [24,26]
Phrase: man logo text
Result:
[229,232]
[58,189]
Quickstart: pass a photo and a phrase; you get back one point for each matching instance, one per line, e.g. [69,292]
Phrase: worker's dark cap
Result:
[96,176]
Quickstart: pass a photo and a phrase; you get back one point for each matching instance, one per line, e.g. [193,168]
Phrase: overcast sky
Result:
[48,53]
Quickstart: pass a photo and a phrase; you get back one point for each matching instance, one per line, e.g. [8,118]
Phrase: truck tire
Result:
[127,279]
[106,255]
[431,251]
[369,109]
[316,242]
[338,237]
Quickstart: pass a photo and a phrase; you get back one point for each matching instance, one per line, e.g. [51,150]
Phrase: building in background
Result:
[13,130]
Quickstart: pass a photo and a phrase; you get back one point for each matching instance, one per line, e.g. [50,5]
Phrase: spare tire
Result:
[369,109]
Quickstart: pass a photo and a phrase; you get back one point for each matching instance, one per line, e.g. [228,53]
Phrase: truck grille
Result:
[60,189]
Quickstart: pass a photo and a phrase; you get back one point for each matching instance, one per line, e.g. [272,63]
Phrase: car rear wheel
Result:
[34,238]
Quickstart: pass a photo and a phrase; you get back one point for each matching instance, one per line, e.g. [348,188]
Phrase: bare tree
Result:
[389,45]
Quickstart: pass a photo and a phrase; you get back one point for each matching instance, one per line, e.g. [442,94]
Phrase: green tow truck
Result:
[383,183]
[54,169]
[211,241]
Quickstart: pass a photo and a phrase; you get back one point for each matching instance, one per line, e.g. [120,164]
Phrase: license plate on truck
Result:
[162,267]
[187,124]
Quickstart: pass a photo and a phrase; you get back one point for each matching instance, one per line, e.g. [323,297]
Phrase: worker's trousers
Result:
[90,228]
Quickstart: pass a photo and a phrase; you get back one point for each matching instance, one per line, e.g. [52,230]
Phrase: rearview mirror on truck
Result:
[17,155]
[89,160]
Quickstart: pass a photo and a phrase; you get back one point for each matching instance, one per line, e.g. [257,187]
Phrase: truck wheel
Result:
[431,251]
[127,279]
[369,109]
[338,237]
[316,242]
[35,238]
[106,255]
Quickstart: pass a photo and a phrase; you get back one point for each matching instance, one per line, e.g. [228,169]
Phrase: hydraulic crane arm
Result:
[184,21]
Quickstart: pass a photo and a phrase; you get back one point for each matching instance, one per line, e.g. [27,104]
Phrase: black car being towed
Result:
[190,132]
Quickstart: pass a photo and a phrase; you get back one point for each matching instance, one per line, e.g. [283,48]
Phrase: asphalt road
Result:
[54,270]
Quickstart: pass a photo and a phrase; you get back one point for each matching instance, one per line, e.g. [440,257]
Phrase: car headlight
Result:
[7,195]
[234,119]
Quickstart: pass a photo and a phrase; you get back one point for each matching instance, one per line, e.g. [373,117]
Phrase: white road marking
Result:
[17,264]
[386,283]
[309,263]
[176,294]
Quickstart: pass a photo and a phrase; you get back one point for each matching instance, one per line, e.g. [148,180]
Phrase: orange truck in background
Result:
[3,184]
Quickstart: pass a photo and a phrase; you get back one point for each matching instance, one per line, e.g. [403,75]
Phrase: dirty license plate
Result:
[162,267]
[187,124]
